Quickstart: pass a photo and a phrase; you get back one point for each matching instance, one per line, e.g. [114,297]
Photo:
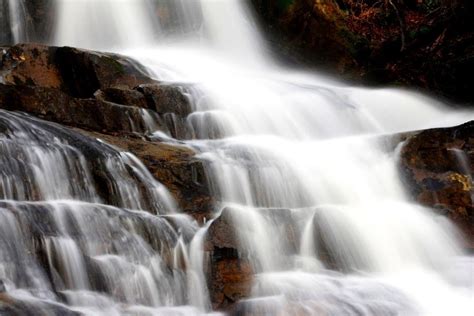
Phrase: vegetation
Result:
[424,43]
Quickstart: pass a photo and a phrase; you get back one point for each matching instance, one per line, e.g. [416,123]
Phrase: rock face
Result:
[65,85]
[230,269]
[230,273]
[108,96]
[173,165]
[424,44]
[79,73]
[438,167]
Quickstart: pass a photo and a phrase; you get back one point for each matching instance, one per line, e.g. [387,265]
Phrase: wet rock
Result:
[79,73]
[85,72]
[231,269]
[437,166]
[230,272]
[175,166]
[122,96]
[59,84]
[172,104]
[109,95]
[30,65]
[66,84]
[166,99]
[55,105]
[231,282]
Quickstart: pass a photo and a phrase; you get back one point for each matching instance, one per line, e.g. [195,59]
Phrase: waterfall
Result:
[58,224]
[284,150]
[119,24]
[303,149]
[104,24]
[17,17]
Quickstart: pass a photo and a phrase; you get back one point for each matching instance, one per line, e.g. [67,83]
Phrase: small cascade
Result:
[108,25]
[70,250]
[41,164]
[298,164]
[62,245]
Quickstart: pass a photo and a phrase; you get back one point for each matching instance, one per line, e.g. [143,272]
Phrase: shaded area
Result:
[437,166]
[426,44]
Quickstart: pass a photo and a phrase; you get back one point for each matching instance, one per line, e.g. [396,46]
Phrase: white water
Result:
[17,15]
[304,146]
[307,143]
[104,24]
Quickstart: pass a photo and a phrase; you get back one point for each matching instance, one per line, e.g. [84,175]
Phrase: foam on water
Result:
[281,139]
[282,148]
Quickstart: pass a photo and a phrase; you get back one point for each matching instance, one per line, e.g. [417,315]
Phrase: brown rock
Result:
[173,165]
[122,96]
[438,167]
[171,103]
[78,82]
[166,99]
[79,73]
[85,72]
[105,94]
[230,272]
[55,105]
[30,65]
[231,280]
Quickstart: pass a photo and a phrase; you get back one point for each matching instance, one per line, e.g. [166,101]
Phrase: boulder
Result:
[230,273]
[438,167]
[108,97]
[79,73]
[172,104]
[85,72]
[54,105]
[174,165]
[122,96]
[66,84]
[30,65]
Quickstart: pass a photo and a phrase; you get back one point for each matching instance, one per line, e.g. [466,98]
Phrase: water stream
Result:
[282,148]
[17,18]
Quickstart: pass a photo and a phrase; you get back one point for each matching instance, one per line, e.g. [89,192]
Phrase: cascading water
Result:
[59,237]
[108,24]
[281,148]
[17,19]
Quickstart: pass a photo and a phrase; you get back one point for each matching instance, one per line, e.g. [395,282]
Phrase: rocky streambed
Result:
[111,98]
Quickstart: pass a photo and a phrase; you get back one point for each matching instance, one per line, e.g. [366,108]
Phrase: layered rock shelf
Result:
[103,96]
